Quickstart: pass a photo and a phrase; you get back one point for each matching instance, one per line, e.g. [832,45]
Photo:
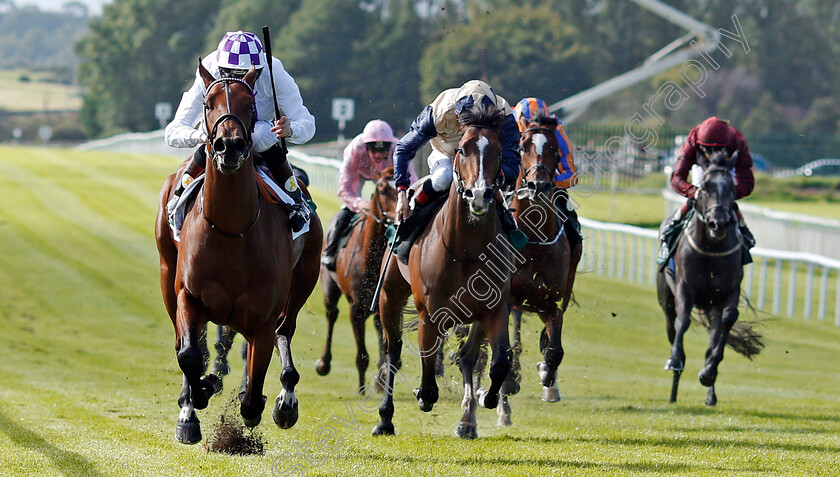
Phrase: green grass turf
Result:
[89,381]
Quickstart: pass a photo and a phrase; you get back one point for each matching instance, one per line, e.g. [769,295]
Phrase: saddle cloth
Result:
[274,194]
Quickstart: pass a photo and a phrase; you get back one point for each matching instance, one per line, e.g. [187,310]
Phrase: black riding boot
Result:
[570,219]
[281,170]
[194,168]
[342,223]
[516,237]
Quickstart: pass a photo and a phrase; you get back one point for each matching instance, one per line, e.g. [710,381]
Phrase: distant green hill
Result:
[38,40]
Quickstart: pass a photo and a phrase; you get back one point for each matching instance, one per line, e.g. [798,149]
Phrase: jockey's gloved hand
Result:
[402,204]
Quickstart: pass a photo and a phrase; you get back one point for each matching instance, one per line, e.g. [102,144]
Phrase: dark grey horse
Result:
[706,276]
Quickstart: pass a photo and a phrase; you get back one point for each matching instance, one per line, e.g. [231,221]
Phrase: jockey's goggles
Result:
[378,146]
[238,73]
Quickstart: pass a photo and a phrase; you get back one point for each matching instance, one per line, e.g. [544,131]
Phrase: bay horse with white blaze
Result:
[707,276]
[357,272]
[236,264]
[459,272]
[547,275]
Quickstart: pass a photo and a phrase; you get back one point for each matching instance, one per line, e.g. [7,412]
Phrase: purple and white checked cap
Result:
[239,50]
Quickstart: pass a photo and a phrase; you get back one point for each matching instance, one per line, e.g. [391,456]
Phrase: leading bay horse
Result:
[357,272]
[707,276]
[459,272]
[236,265]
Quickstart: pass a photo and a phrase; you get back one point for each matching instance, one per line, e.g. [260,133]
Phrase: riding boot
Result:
[281,170]
[194,168]
[746,236]
[670,231]
[342,223]
[516,237]
[570,219]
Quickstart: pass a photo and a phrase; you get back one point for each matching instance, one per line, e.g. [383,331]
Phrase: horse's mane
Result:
[388,171]
[482,115]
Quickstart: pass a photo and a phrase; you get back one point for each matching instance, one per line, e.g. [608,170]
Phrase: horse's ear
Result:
[205,75]
[251,77]
[702,160]
[733,159]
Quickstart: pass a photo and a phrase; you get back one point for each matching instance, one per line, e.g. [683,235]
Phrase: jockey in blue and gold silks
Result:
[566,175]
[438,125]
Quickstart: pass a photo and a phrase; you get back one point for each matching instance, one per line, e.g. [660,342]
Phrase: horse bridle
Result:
[246,130]
[538,167]
[462,186]
[385,219]
[701,214]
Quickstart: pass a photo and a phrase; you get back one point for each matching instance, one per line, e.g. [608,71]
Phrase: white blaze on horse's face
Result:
[539,140]
[477,196]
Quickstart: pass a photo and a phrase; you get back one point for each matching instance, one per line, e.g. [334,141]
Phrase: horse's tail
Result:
[743,337]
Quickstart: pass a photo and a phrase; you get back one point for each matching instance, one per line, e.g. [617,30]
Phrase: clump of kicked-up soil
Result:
[231,436]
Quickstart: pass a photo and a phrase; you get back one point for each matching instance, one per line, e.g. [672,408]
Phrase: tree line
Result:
[394,56]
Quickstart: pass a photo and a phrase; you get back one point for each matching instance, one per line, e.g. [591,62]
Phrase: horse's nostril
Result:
[219,145]
[468,194]
[488,195]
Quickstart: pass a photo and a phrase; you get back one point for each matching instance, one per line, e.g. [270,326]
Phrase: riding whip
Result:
[270,60]
[390,254]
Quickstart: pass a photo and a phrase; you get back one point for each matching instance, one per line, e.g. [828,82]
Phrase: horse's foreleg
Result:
[469,351]
[496,328]
[259,356]
[358,316]
[511,384]
[393,296]
[196,392]
[286,404]
[224,341]
[684,302]
[553,354]
[378,377]
[717,342]
[332,293]
[430,343]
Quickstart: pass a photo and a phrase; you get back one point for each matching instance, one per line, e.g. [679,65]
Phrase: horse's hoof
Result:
[285,416]
[383,429]
[673,365]
[211,384]
[711,398]
[466,431]
[221,368]
[504,421]
[510,387]
[424,406]
[322,367]
[486,399]
[551,394]
[707,377]
[251,423]
[188,433]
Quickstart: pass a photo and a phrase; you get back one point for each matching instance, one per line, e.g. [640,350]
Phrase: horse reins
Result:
[247,131]
[701,216]
[211,134]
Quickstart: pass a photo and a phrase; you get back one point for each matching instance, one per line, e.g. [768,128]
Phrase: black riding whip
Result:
[270,60]
[390,254]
